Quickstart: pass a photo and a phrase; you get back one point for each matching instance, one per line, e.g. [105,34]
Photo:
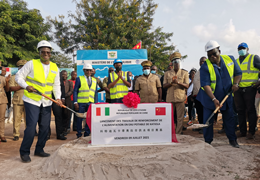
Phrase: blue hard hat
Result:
[118,61]
[244,45]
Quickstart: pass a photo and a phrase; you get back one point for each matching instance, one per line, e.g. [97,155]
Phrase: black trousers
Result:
[108,100]
[66,116]
[245,103]
[57,111]
[199,109]
[190,107]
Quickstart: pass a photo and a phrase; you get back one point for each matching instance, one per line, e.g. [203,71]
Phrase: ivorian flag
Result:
[138,46]
[160,111]
[98,111]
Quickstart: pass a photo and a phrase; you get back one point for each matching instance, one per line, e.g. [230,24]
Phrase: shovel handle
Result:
[38,92]
[222,102]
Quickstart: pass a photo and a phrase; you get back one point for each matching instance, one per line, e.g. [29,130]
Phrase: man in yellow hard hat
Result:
[18,106]
[43,75]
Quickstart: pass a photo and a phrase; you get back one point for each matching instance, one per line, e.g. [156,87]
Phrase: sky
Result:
[193,23]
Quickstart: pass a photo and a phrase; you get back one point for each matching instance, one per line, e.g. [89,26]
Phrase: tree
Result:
[62,60]
[20,31]
[110,24]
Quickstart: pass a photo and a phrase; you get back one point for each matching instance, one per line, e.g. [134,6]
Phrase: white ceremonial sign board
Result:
[115,124]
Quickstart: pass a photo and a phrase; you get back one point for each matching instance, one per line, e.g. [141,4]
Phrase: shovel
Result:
[200,126]
[80,115]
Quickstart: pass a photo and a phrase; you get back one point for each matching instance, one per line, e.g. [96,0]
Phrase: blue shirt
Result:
[76,91]
[223,84]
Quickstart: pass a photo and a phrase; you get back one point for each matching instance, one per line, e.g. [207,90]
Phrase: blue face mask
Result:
[146,71]
[242,52]
[153,71]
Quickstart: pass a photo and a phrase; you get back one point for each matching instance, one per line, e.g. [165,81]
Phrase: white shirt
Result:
[189,91]
[131,87]
[27,70]
[88,78]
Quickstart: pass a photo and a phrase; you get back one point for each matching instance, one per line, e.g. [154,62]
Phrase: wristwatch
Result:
[236,84]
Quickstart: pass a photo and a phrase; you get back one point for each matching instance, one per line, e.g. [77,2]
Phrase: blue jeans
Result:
[83,107]
[35,114]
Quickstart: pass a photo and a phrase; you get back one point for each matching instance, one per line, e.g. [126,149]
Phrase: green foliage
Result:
[20,31]
[109,24]
[62,60]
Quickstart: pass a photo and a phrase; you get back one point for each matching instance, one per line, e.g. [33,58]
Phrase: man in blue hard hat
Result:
[118,82]
[245,96]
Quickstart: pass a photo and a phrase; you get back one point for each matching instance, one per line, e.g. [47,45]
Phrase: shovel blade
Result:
[81,115]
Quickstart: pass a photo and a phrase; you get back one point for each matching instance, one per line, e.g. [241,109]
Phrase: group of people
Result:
[218,75]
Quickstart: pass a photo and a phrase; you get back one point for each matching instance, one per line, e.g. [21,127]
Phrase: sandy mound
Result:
[189,159]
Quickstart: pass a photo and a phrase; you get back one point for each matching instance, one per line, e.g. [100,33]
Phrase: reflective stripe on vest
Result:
[39,82]
[120,89]
[213,79]
[249,72]
[86,94]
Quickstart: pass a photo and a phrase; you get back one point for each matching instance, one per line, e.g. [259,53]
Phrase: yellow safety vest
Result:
[213,79]
[120,89]
[86,94]
[250,73]
[39,82]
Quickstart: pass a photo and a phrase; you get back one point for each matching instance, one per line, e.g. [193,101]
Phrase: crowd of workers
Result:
[203,89]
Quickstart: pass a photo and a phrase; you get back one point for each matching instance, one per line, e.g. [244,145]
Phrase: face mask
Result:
[242,52]
[131,78]
[118,68]
[146,71]
[153,71]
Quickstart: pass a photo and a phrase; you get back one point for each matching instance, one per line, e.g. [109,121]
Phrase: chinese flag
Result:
[138,46]
[98,111]
[160,111]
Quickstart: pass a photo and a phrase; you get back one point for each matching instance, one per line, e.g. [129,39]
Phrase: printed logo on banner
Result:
[160,111]
[112,54]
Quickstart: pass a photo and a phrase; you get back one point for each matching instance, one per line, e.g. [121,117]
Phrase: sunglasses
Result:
[87,69]
[176,61]
[45,52]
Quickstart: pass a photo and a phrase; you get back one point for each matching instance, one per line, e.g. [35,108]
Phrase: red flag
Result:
[160,111]
[98,111]
[138,46]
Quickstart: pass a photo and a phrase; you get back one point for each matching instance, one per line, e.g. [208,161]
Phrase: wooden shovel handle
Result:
[38,92]
[222,102]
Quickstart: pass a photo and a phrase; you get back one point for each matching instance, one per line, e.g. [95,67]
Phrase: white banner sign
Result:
[117,124]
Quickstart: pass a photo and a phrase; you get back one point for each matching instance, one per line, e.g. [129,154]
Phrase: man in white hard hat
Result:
[43,75]
[84,93]
[218,75]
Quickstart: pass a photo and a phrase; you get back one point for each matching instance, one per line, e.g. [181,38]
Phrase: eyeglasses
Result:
[213,54]
[45,52]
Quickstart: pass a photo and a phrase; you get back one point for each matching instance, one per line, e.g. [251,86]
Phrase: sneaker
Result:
[189,123]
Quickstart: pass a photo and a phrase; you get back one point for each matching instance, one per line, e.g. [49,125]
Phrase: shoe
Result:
[239,135]
[184,128]
[61,137]
[16,138]
[41,154]
[65,133]
[201,131]
[221,131]
[86,135]
[233,143]
[207,142]
[3,139]
[68,130]
[189,123]
[25,158]
[250,136]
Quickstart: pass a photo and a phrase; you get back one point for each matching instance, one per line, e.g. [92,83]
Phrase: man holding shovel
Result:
[43,75]
[218,75]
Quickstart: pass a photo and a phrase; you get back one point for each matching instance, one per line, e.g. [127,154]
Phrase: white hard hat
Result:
[211,45]
[87,66]
[44,43]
